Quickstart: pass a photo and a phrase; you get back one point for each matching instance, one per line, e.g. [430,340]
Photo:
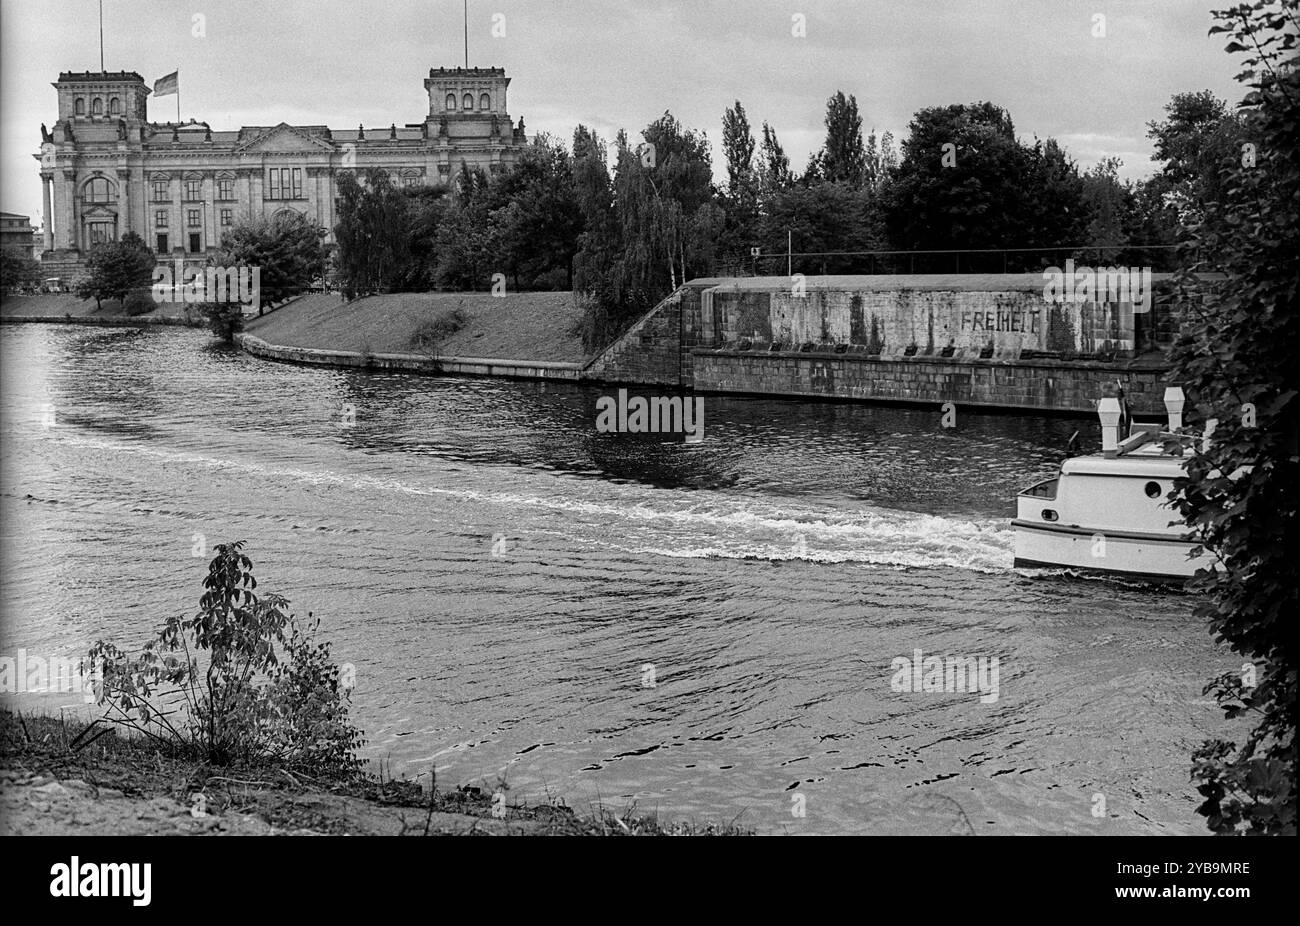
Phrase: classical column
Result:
[66,194]
[180,230]
[47,218]
[210,216]
[123,202]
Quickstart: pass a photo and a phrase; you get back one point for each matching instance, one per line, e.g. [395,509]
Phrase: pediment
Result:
[284,137]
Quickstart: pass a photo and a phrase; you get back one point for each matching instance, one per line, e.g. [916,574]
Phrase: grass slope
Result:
[519,326]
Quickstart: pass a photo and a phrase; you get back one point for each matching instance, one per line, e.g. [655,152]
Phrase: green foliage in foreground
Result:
[265,690]
[1236,359]
[116,268]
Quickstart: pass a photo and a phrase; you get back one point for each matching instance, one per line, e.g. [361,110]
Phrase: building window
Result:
[98,190]
[100,233]
[451,101]
[195,247]
[485,102]
[285,183]
[193,188]
[225,188]
[162,244]
[160,218]
[467,102]
[97,107]
[115,107]
[193,218]
[79,107]
[227,218]
[161,190]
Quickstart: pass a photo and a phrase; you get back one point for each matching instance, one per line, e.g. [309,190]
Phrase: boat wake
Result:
[643,520]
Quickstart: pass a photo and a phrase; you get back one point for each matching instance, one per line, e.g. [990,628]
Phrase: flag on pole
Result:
[166,86]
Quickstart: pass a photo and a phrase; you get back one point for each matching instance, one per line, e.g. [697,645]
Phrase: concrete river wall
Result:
[988,340]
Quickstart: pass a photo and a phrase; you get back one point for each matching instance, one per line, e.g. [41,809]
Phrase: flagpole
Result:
[466,34]
[178,99]
[101,36]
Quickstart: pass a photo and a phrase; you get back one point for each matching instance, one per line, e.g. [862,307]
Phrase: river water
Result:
[705,630]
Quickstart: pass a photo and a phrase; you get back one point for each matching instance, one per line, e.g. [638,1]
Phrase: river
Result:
[703,630]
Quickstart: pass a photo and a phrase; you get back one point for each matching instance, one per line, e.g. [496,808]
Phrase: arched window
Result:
[98,190]
[79,107]
[451,101]
[484,101]
[467,102]
[115,107]
[97,107]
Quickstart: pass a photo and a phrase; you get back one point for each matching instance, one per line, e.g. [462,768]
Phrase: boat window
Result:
[1049,514]
[1153,490]
[1044,489]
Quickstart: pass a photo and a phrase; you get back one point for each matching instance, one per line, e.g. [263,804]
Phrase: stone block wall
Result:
[1039,385]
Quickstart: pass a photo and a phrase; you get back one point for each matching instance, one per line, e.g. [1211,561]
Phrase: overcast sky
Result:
[621,63]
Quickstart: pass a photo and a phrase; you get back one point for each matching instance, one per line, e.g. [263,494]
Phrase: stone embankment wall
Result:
[411,363]
[1046,385]
[991,340]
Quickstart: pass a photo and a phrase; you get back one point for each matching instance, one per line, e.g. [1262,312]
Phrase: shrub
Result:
[433,331]
[225,319]
[137,302]
[268,691]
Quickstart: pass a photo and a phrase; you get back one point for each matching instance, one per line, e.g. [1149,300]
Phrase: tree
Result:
[881,161]
[116,268]
[1107,205]
[536,210]
[738,148]
[843,158]
[965,182]
[740,203]
[1197,140]
[660,227]
[17,271]
[425,209]
[373,233]
[822,217]
[1052,195]
[287,251]
[773,165]
[1235,358]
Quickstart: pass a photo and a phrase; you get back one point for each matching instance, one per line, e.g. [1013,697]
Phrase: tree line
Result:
[625,236]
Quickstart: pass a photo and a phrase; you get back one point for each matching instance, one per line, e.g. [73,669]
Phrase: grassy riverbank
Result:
[518,326]
[63,305]
[70,778]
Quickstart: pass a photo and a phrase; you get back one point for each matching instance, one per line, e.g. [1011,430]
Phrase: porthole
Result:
[1153,490]
[1049,514]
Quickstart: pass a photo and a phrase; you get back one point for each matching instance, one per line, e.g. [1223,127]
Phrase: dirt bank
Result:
[68,778]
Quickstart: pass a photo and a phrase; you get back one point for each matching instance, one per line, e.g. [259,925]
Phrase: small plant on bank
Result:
[433,331]
[266,690]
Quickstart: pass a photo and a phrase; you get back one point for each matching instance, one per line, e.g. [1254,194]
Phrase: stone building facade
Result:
[16,234]
[106,169]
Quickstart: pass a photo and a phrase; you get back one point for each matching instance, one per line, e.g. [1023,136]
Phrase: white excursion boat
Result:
[1109,512]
